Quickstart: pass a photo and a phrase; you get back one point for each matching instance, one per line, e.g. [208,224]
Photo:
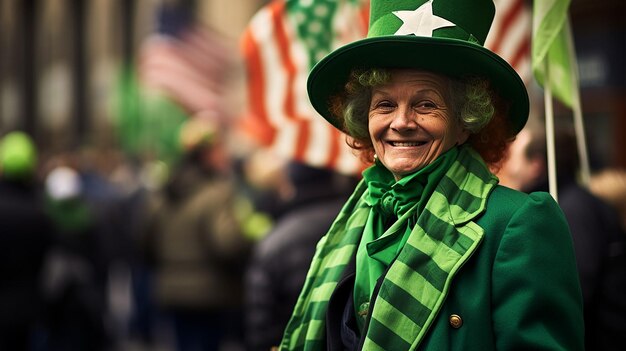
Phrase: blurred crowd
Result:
[105,252]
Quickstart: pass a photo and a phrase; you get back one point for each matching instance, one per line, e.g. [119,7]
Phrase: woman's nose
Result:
[404,119]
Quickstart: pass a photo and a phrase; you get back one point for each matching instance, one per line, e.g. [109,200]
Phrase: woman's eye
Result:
[427,104]
[423,105]
[384,104]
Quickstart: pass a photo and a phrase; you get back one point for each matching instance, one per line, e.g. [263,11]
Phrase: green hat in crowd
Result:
[442,36]
[18,156]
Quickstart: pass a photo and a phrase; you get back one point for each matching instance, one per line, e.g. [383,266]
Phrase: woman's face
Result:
[411,121]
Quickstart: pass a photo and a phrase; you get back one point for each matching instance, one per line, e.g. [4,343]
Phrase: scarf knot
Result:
[390,202]
[389,205]
[393,198]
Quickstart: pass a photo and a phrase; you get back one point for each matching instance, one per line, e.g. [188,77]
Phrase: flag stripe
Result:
[256,81]
[167,52]
[510,35]
[283,44]
[508,16]
[522,54]
[518,31]
[274,87]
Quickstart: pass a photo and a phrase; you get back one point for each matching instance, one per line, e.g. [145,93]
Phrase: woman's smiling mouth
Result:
[406,143]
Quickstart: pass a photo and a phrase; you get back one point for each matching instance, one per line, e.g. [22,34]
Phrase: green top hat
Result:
[443,36]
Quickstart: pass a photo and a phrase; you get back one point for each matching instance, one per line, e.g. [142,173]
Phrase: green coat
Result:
[484,268]
[509,301]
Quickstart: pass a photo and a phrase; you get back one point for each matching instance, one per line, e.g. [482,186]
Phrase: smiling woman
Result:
[429,252]
[469,102]
[411,122]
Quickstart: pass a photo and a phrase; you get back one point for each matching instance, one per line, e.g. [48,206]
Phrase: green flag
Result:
[146,123]
[552,47]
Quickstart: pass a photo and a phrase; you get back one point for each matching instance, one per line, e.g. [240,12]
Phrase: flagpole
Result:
[579,126]
[547,95]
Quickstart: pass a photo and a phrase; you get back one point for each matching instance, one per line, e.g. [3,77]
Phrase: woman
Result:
[430,253]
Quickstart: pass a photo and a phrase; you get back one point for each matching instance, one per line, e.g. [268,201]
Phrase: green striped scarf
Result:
[417,282]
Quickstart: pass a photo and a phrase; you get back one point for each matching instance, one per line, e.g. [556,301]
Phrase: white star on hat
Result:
[421,21]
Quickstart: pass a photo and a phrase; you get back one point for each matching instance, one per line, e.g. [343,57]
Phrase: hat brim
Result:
[451,57]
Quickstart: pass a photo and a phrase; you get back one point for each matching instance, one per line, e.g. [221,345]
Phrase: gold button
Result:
[455,321]
[364,309]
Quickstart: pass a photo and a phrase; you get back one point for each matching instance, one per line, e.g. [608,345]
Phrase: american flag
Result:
[281,44]
[187,62]
[510,35]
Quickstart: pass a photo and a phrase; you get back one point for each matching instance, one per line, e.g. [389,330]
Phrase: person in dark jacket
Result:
[76,276]
[599,241]
[25,239]
[281,259]
[194,244]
